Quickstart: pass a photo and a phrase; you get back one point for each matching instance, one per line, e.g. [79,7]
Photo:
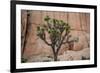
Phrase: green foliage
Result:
[47,18]
[40,32]
[54,27]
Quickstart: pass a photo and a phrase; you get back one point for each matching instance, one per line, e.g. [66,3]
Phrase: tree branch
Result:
[46,42]
[67,39]
[61,42]
[44,39]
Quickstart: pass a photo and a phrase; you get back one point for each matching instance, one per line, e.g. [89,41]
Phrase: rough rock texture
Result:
[66,56]
[35,48]
[75,55]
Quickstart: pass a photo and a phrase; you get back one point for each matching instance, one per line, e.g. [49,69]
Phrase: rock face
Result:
[75,55]
[35,48]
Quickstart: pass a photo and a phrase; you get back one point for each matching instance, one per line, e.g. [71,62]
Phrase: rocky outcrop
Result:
[75,55]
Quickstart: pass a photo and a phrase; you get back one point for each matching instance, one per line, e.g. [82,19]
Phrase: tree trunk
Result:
[55,57]
[54,53]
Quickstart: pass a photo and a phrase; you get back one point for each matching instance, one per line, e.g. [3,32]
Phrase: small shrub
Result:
[84,58]
[23,60]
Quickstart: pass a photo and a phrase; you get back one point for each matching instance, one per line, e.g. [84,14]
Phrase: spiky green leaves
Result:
[54,27]
[47,18]
[41,32]
[59,25]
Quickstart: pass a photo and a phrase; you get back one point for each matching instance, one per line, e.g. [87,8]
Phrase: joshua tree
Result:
[58,32]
